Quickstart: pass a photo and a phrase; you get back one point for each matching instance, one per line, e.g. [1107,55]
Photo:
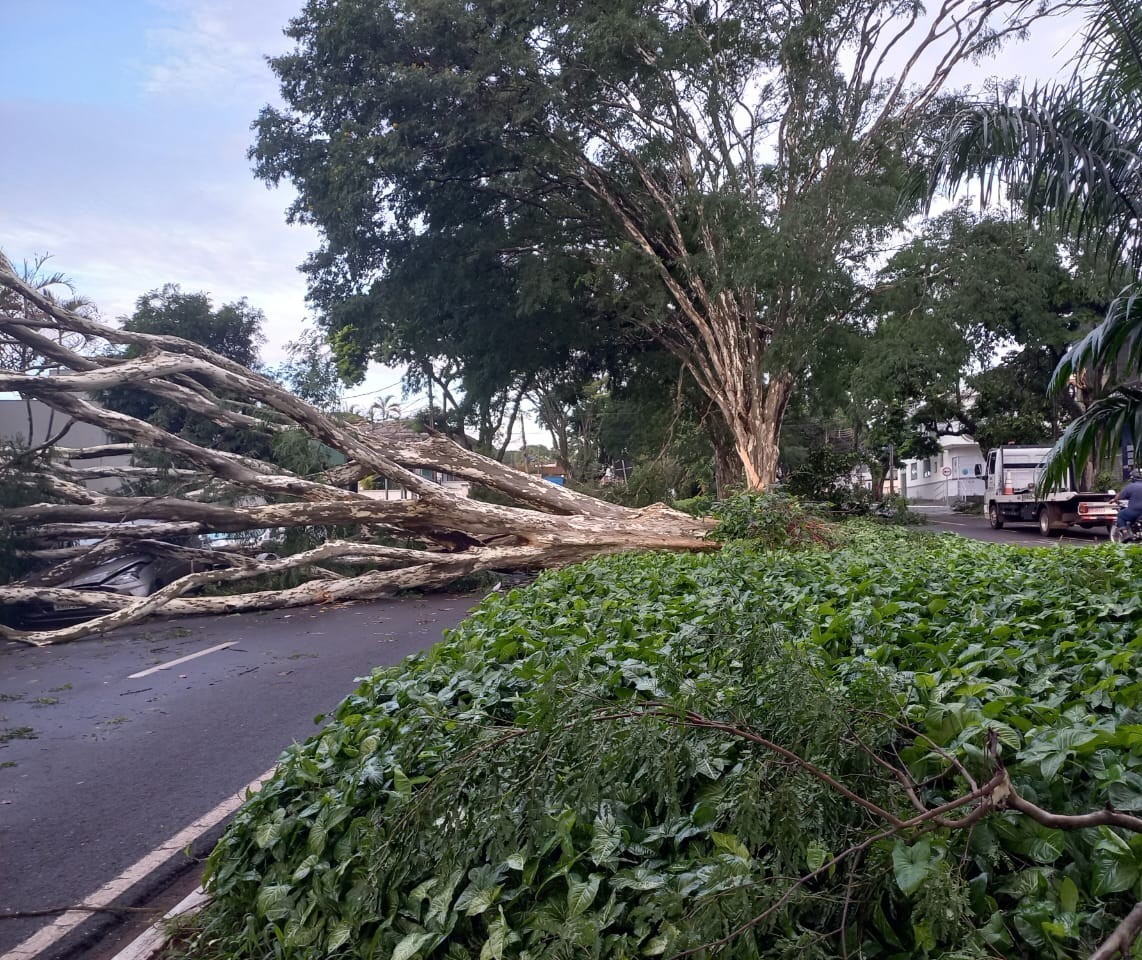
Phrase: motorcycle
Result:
[1131,533]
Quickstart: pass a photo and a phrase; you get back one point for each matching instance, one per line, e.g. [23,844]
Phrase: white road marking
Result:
[175,663]
[105,895]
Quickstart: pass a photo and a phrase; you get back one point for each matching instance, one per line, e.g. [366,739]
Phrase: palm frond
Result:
[1066,161]
[1113,46]
[1116,340]
[1098,431]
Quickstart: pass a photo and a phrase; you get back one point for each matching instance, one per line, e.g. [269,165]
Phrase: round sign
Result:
[947,471]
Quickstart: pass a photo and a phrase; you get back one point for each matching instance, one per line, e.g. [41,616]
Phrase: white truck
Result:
[1012,495]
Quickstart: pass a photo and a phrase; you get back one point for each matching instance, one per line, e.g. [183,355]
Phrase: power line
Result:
[357,396]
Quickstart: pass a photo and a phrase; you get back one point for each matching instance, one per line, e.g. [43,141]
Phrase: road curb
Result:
[151,941]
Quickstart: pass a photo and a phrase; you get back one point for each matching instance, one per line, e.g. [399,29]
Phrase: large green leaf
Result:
[912,864]
[581,893]
[411,944]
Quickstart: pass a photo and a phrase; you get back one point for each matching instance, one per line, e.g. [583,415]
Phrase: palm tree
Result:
[385,408]
[19,356]
[1072,154]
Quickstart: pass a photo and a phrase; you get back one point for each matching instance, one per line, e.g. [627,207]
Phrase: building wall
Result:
[45,424]
[923,480]
[393,492]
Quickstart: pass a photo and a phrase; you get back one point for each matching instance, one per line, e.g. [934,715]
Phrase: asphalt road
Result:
[1027,534]
[97,768]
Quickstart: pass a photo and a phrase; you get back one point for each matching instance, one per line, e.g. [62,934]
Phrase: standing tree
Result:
[971,318]
[711,170]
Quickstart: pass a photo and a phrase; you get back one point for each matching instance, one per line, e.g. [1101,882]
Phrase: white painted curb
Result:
[148,944]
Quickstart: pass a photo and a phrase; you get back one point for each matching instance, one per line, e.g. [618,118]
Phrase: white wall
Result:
[958,454]
[47,423]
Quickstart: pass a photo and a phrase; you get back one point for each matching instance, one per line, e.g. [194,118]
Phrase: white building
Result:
[951,476]
[29,423]
[384,489]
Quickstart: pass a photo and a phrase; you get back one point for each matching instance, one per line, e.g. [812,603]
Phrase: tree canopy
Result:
[1072,155]
[513,181]
[970,319]
[233,331]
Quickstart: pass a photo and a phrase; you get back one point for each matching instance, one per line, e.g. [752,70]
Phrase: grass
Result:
[17,733]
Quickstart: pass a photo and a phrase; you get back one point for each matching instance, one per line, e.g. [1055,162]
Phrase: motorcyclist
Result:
[1131,495]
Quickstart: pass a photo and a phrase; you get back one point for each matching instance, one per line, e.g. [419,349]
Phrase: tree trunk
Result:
[755,422]
[727,466]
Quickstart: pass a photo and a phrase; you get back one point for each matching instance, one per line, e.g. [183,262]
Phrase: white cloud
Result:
[215,48]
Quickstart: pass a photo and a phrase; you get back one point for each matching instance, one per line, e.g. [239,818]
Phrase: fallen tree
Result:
[449,535]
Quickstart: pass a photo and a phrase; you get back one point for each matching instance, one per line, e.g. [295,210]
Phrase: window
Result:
[912,470]
[927,466]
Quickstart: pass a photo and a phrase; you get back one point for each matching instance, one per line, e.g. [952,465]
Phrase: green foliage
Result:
[505,795]
[20,488]
[963,291]
[575,211]
[894,508]
[234,330]
[1071,154]
[698,506]
[826,476]
[653,481]
[310,370]
[1108,480]
[772,519]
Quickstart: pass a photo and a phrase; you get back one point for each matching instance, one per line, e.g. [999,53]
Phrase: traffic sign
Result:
[947,471]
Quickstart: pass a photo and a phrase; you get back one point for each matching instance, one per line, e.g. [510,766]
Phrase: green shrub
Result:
[771,519]
[508,794]
[1108,480]
[825,477]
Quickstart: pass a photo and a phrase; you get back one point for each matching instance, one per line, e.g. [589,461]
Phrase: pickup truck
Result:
[1012,494]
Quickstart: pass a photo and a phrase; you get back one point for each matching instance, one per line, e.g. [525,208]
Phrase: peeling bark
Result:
[551,525]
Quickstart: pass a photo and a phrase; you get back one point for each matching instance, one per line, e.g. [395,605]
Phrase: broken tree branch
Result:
[448,535]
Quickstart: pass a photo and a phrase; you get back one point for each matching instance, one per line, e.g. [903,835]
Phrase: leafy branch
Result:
[996,795]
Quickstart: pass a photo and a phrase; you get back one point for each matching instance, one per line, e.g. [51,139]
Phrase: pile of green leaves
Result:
[772,519]
[518,792]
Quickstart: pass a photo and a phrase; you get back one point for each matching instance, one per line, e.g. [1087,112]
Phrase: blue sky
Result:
[125,129]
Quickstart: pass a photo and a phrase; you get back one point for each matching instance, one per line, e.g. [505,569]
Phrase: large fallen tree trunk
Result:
[450,535]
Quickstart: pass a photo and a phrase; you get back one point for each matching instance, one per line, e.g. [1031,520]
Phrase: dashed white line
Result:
[175,663]
[65,923]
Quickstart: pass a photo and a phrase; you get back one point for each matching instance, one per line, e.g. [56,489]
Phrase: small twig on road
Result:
[54,911]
